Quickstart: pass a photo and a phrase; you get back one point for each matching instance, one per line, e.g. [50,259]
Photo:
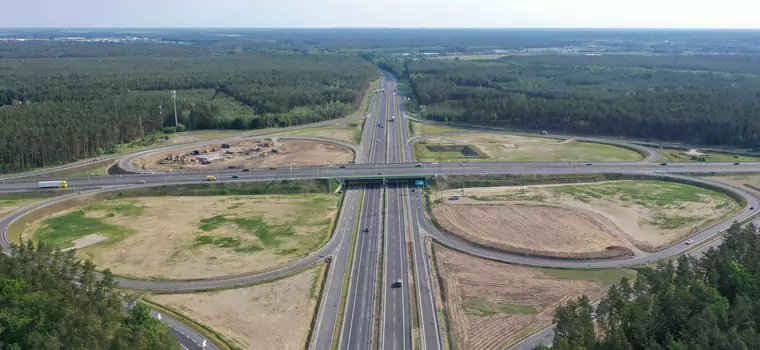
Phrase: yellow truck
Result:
[273,167]
[211,178]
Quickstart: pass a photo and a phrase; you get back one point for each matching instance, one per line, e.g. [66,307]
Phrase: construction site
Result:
[263,152]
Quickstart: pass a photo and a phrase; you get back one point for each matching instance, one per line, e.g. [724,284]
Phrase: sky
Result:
[385,13]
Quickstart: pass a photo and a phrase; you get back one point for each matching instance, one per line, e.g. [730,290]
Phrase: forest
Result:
[51,300]
[707,304]
[59,110]
[708,100]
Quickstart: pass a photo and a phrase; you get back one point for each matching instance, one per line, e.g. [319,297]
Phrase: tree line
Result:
[51,300]
[59,110]
[689,99]
[707,304]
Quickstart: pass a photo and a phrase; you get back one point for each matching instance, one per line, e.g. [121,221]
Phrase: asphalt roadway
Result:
[364,272]
[396,322]
[358,329]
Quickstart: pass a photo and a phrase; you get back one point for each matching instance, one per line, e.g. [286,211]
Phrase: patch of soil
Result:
[295,152]
[87,241]
[532,228]
[466,278]
[273,316]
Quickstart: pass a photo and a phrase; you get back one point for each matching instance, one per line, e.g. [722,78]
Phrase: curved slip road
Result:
[638,147]
[337,237]
[125,163]
[259,133]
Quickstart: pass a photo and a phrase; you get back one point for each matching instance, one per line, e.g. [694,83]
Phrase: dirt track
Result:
[470,283]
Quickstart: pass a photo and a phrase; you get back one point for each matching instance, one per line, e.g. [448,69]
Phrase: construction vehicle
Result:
[211,178]
[226,145]
[53,184]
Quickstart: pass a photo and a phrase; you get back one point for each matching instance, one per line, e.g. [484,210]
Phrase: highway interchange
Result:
[389,239]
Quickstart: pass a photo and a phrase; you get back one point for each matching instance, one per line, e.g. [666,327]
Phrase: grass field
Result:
[484,147]
[581,220]
[418,129]
[491,305]
[274,315]
[678,156]
[346,131]
[192,237]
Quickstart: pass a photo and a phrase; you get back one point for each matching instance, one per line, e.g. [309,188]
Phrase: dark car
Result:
[366,229]
[342,167]
[737,163]
[235,177]
[663,163]
[397,284]
[588,163]
[246,169]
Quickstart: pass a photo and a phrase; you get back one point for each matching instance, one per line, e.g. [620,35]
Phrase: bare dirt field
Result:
[196,237]
[563,220]
[532,228]
[492,306]
[272,316]
[295,152]
[485,147]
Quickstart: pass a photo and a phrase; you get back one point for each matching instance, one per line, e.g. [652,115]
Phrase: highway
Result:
[396,322]
[388,151]
[358,329]
[390,170]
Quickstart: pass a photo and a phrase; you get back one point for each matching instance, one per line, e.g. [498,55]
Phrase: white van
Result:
[454,197]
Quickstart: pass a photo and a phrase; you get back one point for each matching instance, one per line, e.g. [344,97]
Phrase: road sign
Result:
[419,183]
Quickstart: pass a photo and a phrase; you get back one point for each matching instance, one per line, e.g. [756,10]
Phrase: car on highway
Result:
[342,167]
[414,190]
[366,229]
[246,169]
[379,173]
[397,284]
[737,163]
[235,177]
[210,178]
[141,182]
[751,207]
[587,164]
[690,241]
[663,163]
[378,140]
[418,165]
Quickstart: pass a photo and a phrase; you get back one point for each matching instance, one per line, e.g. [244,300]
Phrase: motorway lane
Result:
[396,322]
[406,169]
[358,322]
[358,329]
[430,335]
[329,307]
